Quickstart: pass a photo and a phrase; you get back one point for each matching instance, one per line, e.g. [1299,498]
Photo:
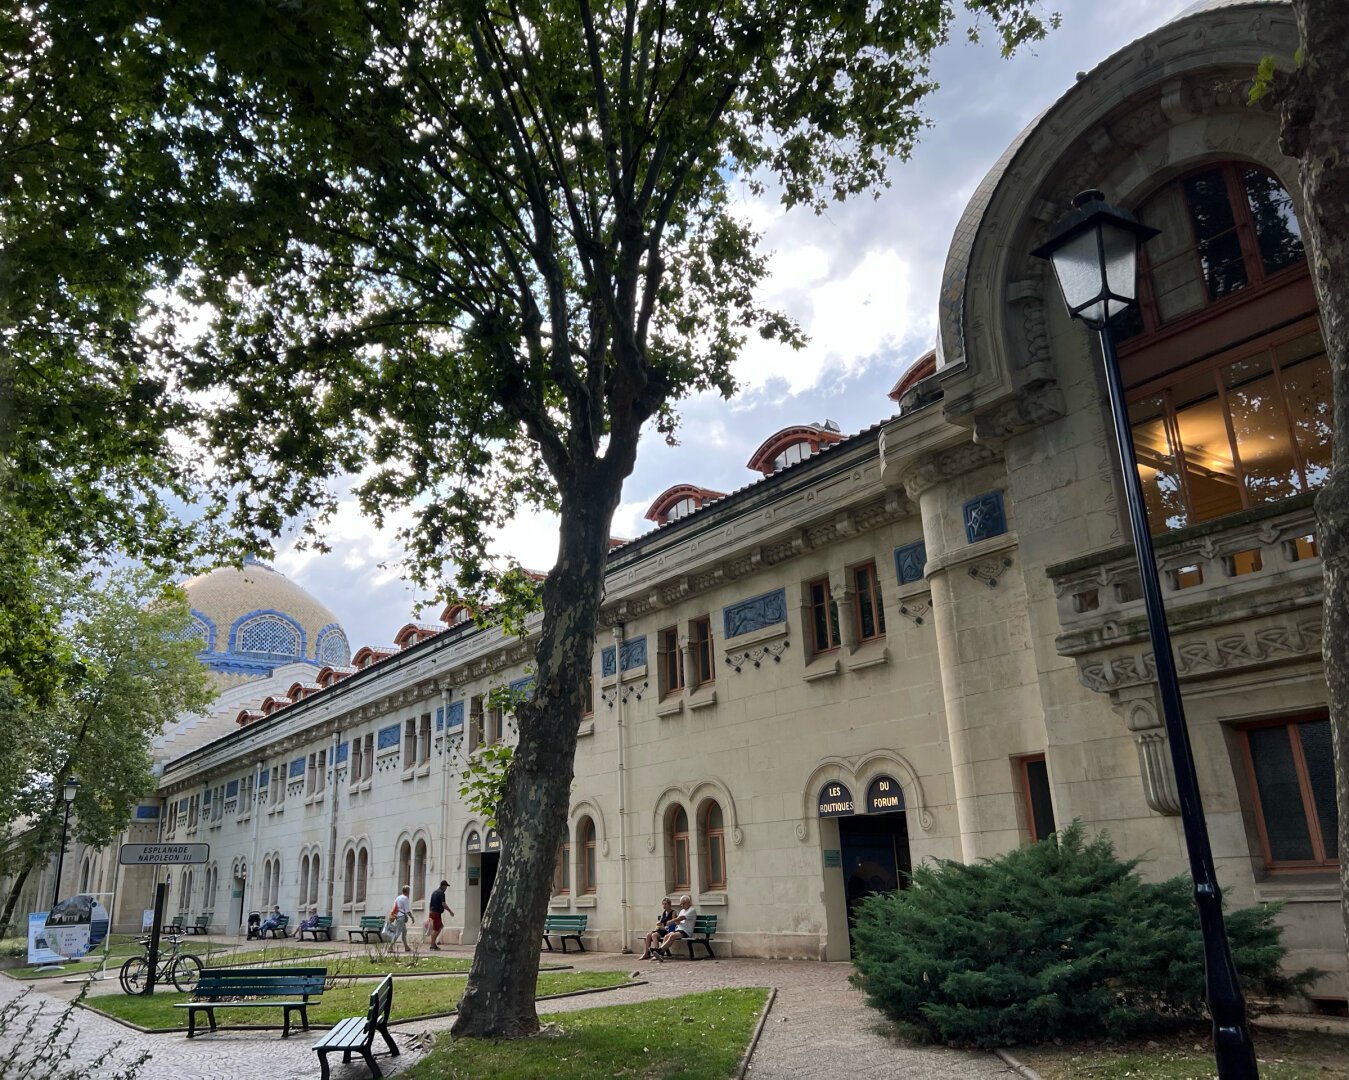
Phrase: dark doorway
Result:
[875,851]
[489,875]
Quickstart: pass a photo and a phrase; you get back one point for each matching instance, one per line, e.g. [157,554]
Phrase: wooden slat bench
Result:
[370,929]
[176,925]
[356,1034]
[280,930]
[564,927]
[704,927]
[201,926]
[324,926]
[239,988]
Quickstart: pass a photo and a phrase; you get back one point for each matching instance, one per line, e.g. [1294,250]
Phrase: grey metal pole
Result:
[1232,1045]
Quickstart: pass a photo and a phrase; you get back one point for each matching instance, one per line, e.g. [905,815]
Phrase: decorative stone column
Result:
[1138,705]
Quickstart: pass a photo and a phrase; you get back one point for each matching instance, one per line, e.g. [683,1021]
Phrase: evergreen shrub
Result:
[1061,939]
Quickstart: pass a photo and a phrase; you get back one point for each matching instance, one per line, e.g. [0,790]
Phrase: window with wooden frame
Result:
[404,864]
[824,635]
[368,758]
[669,661]
[1226,412]
[1290,768]
[475,732]
[713,843]
[704,667]
[677,844]
[362,873]
[355,770]
[496,724]
[409,744]
[868,610]
[349,876]
[562,870]
[1035,790]
[588,696]
[585,839]
[424,739]
[419,871]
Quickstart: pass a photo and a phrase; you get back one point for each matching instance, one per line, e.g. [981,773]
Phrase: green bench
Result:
[324,926]
[564,927]
[201,926]
[239,988]
[280,930]
[176,925]
[356,1034]
[372,926]
[704,927]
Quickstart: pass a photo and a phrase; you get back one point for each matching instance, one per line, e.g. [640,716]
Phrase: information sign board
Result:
[161,854]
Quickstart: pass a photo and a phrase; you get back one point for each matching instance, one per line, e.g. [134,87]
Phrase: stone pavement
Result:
[818,1025]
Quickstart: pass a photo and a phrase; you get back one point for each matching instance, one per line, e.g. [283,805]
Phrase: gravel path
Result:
[818,1026]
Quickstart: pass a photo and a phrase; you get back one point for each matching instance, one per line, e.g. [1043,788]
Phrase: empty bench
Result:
[201,926]
[704,927]
[356,1034]
[372,926]
[241,988]
[564,927]
[324,926]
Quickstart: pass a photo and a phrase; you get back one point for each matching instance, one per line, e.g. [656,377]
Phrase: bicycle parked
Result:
[181,968]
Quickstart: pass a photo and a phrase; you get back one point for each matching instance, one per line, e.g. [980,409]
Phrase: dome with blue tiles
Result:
[253,620]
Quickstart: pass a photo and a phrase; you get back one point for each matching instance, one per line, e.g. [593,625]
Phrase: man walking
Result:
[400,914]
[438,907]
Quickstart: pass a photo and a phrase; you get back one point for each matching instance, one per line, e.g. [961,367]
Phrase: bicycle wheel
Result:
[186,972]
[134,975]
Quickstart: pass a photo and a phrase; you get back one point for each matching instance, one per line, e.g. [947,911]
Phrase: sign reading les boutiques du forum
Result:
[163,854]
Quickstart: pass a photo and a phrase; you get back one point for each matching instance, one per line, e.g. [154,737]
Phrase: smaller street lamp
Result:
[1094,252]
[68,793]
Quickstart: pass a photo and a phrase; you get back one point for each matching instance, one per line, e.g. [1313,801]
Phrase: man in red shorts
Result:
[438,908]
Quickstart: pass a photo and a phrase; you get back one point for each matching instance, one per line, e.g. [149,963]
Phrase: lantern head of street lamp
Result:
[68,792]
[1094,251]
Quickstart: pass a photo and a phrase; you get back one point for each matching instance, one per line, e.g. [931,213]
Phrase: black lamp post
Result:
[1094,251]
[67,793]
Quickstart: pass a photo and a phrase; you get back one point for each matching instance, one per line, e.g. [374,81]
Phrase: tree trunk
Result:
[499,998]
[12,900]
[1316,132]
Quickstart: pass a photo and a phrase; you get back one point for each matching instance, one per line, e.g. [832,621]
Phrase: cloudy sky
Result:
[862,280]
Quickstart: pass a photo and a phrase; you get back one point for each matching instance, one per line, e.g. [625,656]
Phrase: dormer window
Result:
[679,502]
[793,445]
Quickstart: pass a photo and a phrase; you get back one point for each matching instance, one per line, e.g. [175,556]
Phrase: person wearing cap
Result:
[437,908]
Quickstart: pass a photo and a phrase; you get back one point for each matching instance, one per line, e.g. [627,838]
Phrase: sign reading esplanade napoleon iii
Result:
[162,854]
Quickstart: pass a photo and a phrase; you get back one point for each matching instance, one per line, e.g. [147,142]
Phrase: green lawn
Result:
[411,997]
[1290,1055]
[696,1037]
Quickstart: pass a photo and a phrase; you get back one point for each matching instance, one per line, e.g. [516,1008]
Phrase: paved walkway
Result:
[818,1026]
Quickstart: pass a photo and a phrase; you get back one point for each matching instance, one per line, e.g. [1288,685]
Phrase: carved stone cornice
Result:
[1031,407]
[942,465]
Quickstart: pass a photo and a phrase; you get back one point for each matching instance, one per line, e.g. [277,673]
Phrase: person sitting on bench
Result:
[663,920]
[312,921]
[271,922]
[681,926]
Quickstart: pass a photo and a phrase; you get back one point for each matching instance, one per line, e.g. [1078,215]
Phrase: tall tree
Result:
[469,250]
[1315,104]
[128,665]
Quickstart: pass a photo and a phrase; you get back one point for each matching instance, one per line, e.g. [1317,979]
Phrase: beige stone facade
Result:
[1013,632]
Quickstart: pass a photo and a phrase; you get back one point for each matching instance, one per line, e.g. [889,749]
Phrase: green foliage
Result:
[1048,941]
[483,779]
[127,666]
[1264,82]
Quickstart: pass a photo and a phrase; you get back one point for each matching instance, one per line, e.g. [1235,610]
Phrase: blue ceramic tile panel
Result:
[608,661]
[343,749]
[634,653]
[984,517]
[297,768]
[909,562]
[456,714]
[232,789]
[388,736]
[755,613]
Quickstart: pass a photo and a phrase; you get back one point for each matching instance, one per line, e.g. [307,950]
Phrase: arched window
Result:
[268,635]
[585,851]
[86,867]
[562,870]
[266,880]
[276,881]
[1228,383]
[419,871]
[677,844]
[349,877]
[712,840]
[333,648]
[315,876]
[304,878]
[362,874]
[404,864]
